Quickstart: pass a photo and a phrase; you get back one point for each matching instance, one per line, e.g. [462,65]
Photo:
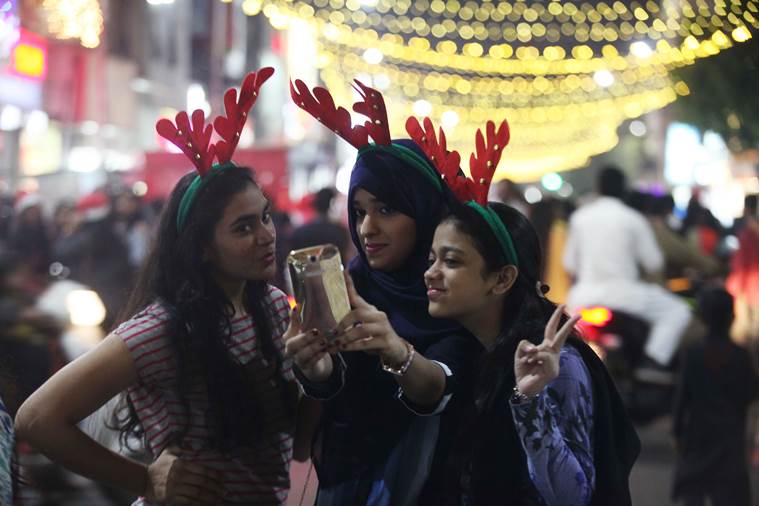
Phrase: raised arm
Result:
[368,329]
[552,410]
[48,418]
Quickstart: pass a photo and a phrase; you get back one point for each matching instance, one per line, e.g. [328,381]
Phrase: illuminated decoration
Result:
[75,19]
[29,57]
[565,74]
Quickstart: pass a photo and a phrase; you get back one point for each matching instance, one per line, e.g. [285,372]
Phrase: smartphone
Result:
[318,285]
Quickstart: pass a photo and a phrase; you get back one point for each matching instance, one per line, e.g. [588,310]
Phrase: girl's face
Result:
[457,283]
[387,236]
[243,239]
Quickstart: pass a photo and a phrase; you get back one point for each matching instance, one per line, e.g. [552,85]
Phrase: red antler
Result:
[373,107]
[229,127]
[321,106]
[447,162]
[194,140]
[488,154]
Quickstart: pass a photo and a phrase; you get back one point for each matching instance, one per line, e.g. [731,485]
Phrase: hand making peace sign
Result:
[536,366]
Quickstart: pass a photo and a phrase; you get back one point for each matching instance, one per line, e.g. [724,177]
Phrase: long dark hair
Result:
[525,314]
[200,328]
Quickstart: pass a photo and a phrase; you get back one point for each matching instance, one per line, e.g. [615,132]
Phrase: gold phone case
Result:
[318,285]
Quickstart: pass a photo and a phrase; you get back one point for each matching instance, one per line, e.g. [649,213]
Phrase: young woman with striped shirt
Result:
[201,361]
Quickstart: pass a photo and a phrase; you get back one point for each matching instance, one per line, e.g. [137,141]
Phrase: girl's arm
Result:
[48,418]
[555,430]
[367,329]
[552,408]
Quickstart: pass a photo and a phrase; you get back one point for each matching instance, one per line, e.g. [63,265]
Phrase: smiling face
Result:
[457,283]
[387,236]
[242,248]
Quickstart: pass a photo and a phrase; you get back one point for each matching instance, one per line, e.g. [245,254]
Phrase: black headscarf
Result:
[402,293]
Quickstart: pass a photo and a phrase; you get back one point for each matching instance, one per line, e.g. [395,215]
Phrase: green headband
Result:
[192,192]
[410,157]
[499,229]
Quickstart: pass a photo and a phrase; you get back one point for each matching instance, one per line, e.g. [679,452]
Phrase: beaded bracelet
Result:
[400,371]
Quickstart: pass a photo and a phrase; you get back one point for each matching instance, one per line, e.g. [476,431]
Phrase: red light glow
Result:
[596,316]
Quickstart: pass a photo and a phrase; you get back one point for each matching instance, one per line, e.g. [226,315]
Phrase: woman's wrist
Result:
[396,354]
[519,397]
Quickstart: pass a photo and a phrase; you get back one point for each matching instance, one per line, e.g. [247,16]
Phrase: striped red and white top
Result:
[256,475]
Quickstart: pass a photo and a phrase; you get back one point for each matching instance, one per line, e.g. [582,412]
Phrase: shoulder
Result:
[588,212]
[146,326]
[276,298]
[278,304]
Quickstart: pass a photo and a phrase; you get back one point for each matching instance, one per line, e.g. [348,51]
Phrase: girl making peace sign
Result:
[546,426]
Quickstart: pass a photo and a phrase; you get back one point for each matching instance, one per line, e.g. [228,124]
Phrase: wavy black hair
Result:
[525,314]
[200,325]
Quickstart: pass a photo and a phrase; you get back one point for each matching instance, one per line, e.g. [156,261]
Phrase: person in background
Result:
[609,244]
[64,220]
[6,217]
[716,385]
[97,255]
[700,226]
[284,231]
[30,235]
[750,208]
[508,192]
[743,281]
[679,255]
[28,336]
[131,225]
[322,229]
[549,217]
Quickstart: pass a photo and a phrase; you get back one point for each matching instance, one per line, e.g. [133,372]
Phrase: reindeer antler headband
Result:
[194,137]
[482,164]
[320,104]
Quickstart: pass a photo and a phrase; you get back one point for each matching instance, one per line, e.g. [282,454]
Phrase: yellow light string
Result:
[75,19]
[539,68]
[565,87]
[544,139]
[472,56]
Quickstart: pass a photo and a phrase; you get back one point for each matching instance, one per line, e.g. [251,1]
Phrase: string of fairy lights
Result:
[80,19]
[566,74]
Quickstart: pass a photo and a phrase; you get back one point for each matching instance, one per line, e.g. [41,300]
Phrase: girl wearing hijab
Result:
[547,426]
[374,444]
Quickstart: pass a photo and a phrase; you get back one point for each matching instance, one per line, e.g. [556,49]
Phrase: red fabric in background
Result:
[162,171]
[709,240]
[743,280]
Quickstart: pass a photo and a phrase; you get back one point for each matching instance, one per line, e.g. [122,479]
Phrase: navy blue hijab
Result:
[402,293]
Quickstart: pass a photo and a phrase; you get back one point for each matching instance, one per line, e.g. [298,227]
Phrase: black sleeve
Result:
[323,390]
[456,355]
